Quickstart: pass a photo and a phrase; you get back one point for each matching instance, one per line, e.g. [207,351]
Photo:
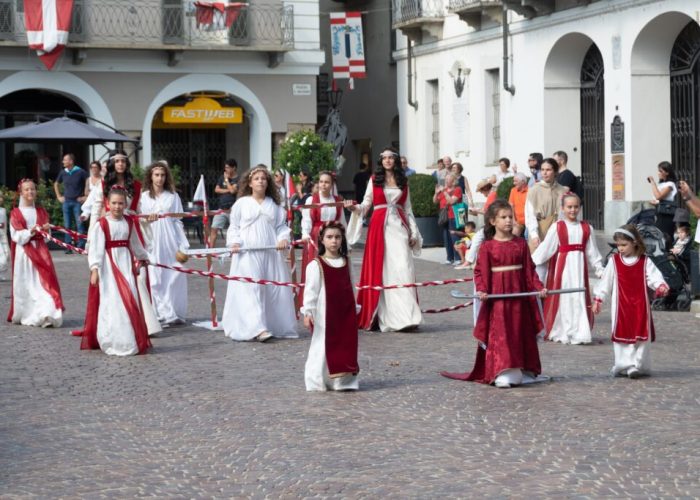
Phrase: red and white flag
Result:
[48,23]
[347,47]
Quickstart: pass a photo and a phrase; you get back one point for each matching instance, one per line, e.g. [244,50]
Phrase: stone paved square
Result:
[205,417]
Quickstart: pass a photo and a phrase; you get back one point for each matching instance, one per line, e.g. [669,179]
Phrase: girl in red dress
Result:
[328,295]
[626,280]
[506,329]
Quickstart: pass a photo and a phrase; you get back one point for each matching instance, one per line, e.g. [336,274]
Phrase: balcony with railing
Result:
[414,17]
[477,12]
[163,24]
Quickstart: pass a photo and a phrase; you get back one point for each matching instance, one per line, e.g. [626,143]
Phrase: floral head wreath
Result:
[118,156]
[117,187]
[257,169]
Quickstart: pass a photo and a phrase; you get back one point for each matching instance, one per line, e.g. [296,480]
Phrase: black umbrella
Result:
[62,129]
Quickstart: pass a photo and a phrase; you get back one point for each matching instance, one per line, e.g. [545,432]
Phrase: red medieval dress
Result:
[26,306]
[506,328]
[390,230]
[93,296]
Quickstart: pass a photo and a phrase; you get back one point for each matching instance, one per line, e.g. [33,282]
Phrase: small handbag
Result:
[443,217]
[666,208]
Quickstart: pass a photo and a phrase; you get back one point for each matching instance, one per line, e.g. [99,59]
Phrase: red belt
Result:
[117,243]
[571,248]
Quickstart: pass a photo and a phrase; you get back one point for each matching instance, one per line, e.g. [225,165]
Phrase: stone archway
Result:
[260,125]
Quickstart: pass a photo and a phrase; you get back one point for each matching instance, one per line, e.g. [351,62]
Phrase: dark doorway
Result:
[685,99]
[34,160]
[593,136]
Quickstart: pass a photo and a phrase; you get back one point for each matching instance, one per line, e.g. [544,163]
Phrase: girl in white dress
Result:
[114,244]
[328,293]
[168,288]
[628,276]
[258,312]
[570,248]
[4,247]
[36,296]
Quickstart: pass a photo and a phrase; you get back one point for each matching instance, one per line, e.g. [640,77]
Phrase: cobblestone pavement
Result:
[203,416]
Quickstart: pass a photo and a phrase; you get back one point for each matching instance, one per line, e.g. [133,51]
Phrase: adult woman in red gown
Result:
[392,240]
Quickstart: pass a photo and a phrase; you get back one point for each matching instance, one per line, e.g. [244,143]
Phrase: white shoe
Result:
[634,373]
[501,383]
[448,262]
[264,337]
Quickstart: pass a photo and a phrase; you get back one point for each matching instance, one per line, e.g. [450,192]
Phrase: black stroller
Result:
[673,269]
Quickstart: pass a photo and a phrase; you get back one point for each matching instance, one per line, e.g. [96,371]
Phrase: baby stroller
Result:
[674,271]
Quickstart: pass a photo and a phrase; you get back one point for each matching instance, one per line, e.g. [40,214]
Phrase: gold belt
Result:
[500,269]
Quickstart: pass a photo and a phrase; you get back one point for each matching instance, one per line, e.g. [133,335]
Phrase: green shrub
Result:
[422,189]
[503,190]
[45,197]
[305,149]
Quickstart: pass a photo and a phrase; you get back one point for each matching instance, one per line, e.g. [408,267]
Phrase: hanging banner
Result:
[47,23]
[346,45]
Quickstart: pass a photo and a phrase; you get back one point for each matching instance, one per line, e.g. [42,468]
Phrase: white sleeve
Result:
[96,249]
[654,277]
[21,236]
[531,220]
[312,289]
[477,240]
[354,230]
[595,260]
[97,204]
[605,286]
[182,241]
[282,230]
[86,207]
[306,224]
[548,247]
[415,233]
[233,234]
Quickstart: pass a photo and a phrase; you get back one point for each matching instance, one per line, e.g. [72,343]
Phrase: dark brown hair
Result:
[271,190]
[491,213]
[333,225]
[638,242]
[148,178]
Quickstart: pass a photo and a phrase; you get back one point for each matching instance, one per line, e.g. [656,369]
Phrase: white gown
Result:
[252,309]
[571,321]
[114,330]
[33,305]
[316,374]
[4,246]
[397,309]
[168,288]
[627,355]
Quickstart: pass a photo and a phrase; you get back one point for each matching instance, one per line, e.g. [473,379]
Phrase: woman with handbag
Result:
[446,197]
[664,198]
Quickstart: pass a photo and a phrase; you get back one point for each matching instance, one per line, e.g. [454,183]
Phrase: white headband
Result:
[118,156]
[626,233]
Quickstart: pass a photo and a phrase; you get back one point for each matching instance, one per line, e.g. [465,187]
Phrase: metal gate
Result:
[196,152]
[593,136]
[685,90]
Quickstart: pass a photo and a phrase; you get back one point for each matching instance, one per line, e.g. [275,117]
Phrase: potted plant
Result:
[305,150]
[422,189]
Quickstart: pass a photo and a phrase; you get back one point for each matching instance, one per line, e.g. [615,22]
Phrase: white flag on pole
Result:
[200,194]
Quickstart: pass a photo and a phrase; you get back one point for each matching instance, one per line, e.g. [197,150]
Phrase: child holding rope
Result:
[114,246]
[570,248]
[626,280]
[332,361]
[506,329]
[257,235]
[36,296]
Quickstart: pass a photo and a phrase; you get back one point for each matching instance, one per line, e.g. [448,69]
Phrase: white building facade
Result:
[613,83]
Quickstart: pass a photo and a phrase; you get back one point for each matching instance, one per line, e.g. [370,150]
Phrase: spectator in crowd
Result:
[517,198]
[73,179]
[664,198]
[444,165]
[566,177]
[227,189]
[503,172]
[462,183]
[446,197]
[534,162]
[693,203]
[408,170]
[361,178]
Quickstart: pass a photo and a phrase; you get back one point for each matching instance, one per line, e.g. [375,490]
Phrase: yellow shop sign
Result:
[202,110]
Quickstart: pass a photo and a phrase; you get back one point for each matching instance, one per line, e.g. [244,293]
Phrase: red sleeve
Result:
[458,193]
[482,274]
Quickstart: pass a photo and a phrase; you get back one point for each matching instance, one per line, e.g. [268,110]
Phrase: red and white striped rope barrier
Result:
[321,205]
[61,243]
[447,309]
[74,234]
[225,252]
[226,277]
[414,285]
[181,215]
